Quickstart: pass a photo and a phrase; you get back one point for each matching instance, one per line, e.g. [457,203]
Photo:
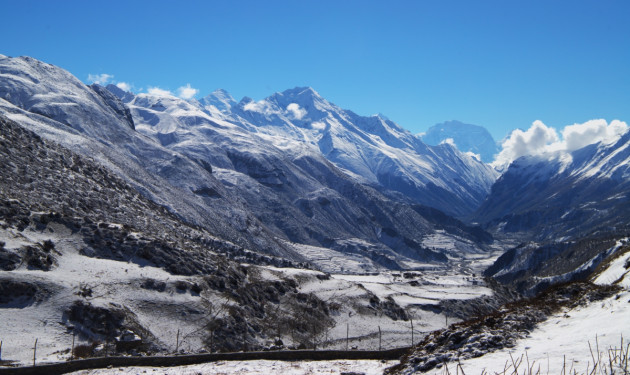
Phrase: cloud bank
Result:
[295,111]
[104,78]
[124,86]
[540,139]
[159,92]
[449,141]
[100,79]
[187,92]
[579,135]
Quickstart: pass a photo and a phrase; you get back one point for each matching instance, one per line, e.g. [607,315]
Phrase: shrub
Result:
[48,245]
[84,350]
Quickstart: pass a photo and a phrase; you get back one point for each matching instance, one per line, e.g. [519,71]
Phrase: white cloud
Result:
[187,92]
[254,106]
[158,91]
[449,141]
[261,106]
[124,86]
[100,79]
[318,125]
[540,139]
[295,110]
[577,136]
[533,141]
[473,155]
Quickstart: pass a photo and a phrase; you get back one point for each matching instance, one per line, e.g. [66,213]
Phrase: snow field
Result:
[261,367]
[563,340]
[571,338]
[418,295]
[111,282]
[616,272]
[166,312]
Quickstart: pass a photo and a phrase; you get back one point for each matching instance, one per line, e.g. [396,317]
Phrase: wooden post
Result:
[379,338]
[211,341]
[411,319]
[0,350]
[245,337]
[177,342]
[72,351]
[34,352]
[347,335]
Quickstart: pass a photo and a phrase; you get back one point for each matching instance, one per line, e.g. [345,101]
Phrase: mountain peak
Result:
[123,95]
[467,137]
[219,98]
[301,91]
[297,94]
[304,97]
[221,93]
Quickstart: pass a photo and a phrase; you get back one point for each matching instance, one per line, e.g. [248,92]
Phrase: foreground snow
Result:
[564,338]
[257,367]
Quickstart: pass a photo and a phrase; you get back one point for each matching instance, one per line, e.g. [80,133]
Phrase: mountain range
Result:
[562,194]
[470,138]
[236,212]
[289,170]
[295,170]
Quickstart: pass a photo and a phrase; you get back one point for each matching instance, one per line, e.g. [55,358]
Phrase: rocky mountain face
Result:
[562,195]
[128,212]
[531,267]
[267,176]
[277,153]
[569,209]
[90,121]
[373,149]
[64,216]
[468,138]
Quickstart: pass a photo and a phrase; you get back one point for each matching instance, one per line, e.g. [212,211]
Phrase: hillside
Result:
[242,182]
[562,194]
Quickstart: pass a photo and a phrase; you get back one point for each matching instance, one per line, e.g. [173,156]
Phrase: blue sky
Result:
[499,64]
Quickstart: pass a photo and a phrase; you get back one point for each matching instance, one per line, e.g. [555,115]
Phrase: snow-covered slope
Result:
[89,120]
[272,160]
[373,149]
[81,252]
[531,267]
[563,194]
[260,188]
[574,338]
[468,138]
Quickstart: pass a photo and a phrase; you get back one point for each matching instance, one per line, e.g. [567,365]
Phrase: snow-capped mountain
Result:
[138,212]
[373,149]
[120,217]
[89,120]
[468,138]
[563,194]
[263,186]
[272,160]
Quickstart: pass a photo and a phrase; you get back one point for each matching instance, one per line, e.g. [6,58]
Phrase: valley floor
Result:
[562,340]
[415,293]
[573,339]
